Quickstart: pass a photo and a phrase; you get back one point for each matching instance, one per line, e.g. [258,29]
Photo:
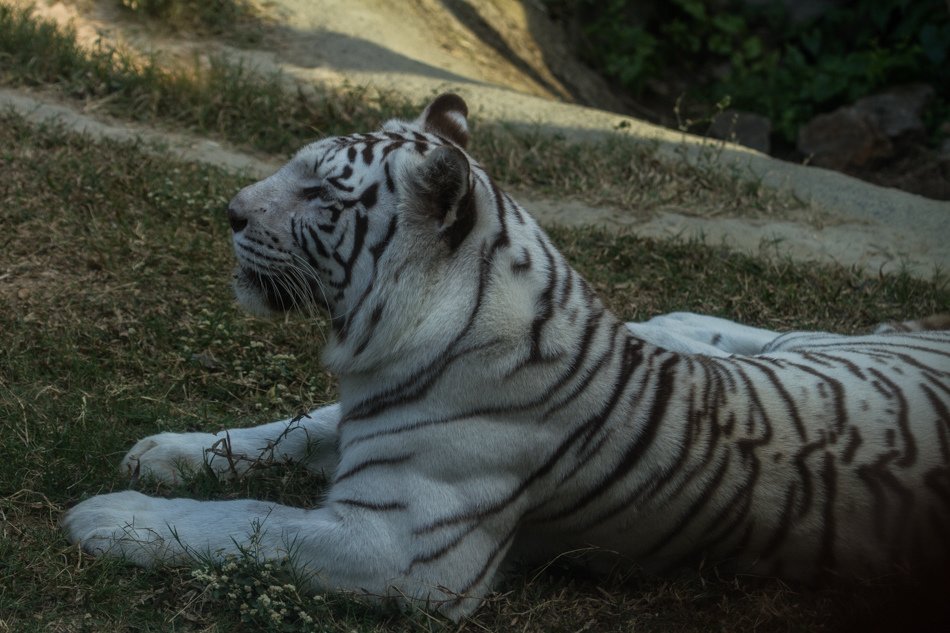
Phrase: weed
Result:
[219,17]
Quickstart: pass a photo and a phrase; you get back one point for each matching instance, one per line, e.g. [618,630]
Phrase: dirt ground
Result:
[506,59]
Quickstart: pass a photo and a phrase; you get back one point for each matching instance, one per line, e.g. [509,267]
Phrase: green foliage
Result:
[761,59]
[634,42]
[849,53]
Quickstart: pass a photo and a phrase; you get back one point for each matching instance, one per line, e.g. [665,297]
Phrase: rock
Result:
[872,129]
[744,128]
[898,112]
[943,154]
[843,139]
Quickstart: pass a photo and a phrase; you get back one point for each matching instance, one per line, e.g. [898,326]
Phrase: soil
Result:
[510,63]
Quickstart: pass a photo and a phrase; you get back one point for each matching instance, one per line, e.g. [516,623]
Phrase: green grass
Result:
[117,322]
[268,113]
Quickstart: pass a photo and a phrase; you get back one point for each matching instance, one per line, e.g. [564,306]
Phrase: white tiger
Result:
[490,405]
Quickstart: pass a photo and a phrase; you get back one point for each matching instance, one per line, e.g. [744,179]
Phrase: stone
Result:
[745,128]
[842,139]
[898,113]
[943,154]
[872,129]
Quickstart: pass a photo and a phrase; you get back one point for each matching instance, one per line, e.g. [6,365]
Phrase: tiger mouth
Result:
[276,293]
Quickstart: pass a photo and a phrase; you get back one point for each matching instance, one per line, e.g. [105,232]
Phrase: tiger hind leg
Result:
[933,322]
[690,333]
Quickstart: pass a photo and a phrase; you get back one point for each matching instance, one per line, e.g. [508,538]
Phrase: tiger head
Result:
[370,227]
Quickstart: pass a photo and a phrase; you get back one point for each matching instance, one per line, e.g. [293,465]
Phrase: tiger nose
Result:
[236,220]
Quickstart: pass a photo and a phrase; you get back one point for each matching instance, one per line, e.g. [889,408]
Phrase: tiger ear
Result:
[441,190]
[447,116]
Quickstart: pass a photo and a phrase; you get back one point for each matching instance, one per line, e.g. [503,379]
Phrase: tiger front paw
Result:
[126,525]
[170,457]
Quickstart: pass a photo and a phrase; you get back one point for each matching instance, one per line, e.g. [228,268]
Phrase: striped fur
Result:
[491,406]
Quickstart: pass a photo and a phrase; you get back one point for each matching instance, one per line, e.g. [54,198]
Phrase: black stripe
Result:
[784,525]
[873,476]
[442,550]
[318,243]
[485,510]
[313,193]
[372,505]
[418,384]
[261,254]
[390,185]
[851,448]
[693,510]
[841,412]
[370,329]
[544,308]
[800,461]
[522,265]
[909,456]
[368,152]
[372,463]
[738,506]
[941,422]
[567,287]
[866,346]
[653,483]
[662,395]
[542,398]
[368,197]
[335,181]
[359,235]
[466,213]
[492,561]
[790,407]
[376,250]
[829,476]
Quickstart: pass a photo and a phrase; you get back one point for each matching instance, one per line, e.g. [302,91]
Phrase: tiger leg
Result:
[690,333]
[366,549]
[149,531]
[310,439]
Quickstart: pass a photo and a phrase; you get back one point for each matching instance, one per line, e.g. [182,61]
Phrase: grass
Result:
[267,113]
[228,18]
[118,323]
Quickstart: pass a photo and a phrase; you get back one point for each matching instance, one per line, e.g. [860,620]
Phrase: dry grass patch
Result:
[269,113]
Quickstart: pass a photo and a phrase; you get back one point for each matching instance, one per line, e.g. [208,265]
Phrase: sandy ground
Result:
[491,56]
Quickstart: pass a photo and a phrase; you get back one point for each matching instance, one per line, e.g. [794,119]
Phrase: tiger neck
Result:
[521,327]
[553,373]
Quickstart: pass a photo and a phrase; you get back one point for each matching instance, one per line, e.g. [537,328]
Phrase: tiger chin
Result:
[491,406]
